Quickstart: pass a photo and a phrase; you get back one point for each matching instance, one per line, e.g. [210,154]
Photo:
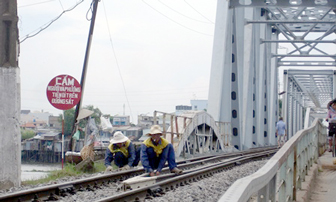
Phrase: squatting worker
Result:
[155,151]
[122,151]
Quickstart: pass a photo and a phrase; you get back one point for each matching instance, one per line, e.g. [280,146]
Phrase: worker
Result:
[91,131]
[281,132]
[155,151]
[122,151]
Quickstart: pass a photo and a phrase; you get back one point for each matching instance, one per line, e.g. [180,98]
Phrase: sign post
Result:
[63,92]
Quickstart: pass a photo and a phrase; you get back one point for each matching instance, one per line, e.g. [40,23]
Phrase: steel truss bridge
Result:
[250,37]
[253,41]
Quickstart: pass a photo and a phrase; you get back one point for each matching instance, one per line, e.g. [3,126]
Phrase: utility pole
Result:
[86,61]
[10,98]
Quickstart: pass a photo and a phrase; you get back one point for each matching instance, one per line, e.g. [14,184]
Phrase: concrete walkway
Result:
[320,183]
[325,183]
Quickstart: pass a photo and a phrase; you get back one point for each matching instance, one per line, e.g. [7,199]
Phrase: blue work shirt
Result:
[109,157]
[281,127]
[148,152]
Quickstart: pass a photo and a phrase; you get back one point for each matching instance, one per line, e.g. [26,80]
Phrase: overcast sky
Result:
[146,55]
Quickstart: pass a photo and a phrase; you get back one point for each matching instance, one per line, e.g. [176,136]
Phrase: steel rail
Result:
[91,183]
[172,181]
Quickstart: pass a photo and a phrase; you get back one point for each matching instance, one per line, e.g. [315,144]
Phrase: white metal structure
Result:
[195,133]
[244,72]
[306,89]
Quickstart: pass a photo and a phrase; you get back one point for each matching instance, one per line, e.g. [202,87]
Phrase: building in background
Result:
[180,109]
[27,116]
[145,121]
[54,122]
[199,105]
[121,120]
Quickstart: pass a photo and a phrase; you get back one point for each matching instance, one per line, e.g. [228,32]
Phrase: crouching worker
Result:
[122,151]
[155,151]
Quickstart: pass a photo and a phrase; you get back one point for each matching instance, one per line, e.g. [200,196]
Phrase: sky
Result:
[146,55]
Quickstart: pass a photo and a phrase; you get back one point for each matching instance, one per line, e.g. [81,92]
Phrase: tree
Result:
[68,121]
[26,134]
[280,107]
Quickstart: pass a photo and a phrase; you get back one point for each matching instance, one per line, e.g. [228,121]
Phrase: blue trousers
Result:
[120,160]
[167,154]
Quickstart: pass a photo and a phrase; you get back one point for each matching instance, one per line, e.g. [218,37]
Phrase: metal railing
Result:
[283,174]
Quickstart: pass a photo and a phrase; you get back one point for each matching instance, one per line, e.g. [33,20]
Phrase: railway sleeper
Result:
[63,190]
[156,191]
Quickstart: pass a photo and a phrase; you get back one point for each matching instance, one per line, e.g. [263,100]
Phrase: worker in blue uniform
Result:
[155,151]
[122,151]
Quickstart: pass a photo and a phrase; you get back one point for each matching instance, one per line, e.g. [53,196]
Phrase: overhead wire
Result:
[198,12]
[35,3]
[48,24]
[183,14]
[90,9]
[117,63]
[175,21]
[61,4]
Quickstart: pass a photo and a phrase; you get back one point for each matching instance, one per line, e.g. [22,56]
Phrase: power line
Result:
[198,12]
[176,21]
[117,63]
[183,14]
[61,4]
[48,24]
[35,3]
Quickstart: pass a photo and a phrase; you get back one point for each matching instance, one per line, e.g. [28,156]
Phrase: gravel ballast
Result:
[208,189]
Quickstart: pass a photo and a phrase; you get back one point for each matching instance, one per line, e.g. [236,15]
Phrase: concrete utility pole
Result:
[10,100]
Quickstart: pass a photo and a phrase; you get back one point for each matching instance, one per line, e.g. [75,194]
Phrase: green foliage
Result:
[280,107]
[68,171]
[26,134]
[68,121]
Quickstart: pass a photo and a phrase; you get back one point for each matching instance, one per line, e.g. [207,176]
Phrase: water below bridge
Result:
[37,171]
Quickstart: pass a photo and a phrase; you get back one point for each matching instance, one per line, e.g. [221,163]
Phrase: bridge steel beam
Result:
[306,89]
[243,86]
[244,71]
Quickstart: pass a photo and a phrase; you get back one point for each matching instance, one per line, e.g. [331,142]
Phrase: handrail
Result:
[288,166]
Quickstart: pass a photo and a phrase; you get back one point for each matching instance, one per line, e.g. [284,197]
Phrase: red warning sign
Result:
[64,92]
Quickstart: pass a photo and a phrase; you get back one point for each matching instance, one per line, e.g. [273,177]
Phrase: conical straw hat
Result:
[83,113]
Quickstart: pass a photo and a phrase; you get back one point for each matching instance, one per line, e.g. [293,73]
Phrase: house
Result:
[121,120]
[132,132]
[54,122]
[34,125]
[180,109]
[199,105]
[27,116]
[146,121]
[28,126]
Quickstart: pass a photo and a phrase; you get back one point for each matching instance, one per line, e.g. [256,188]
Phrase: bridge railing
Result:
[284,173]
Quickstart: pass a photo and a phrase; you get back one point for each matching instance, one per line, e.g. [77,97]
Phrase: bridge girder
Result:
[246,57]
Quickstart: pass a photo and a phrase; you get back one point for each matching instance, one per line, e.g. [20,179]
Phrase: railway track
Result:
[194,169]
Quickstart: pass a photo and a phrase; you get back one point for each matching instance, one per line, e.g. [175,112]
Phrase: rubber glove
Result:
[126,167]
